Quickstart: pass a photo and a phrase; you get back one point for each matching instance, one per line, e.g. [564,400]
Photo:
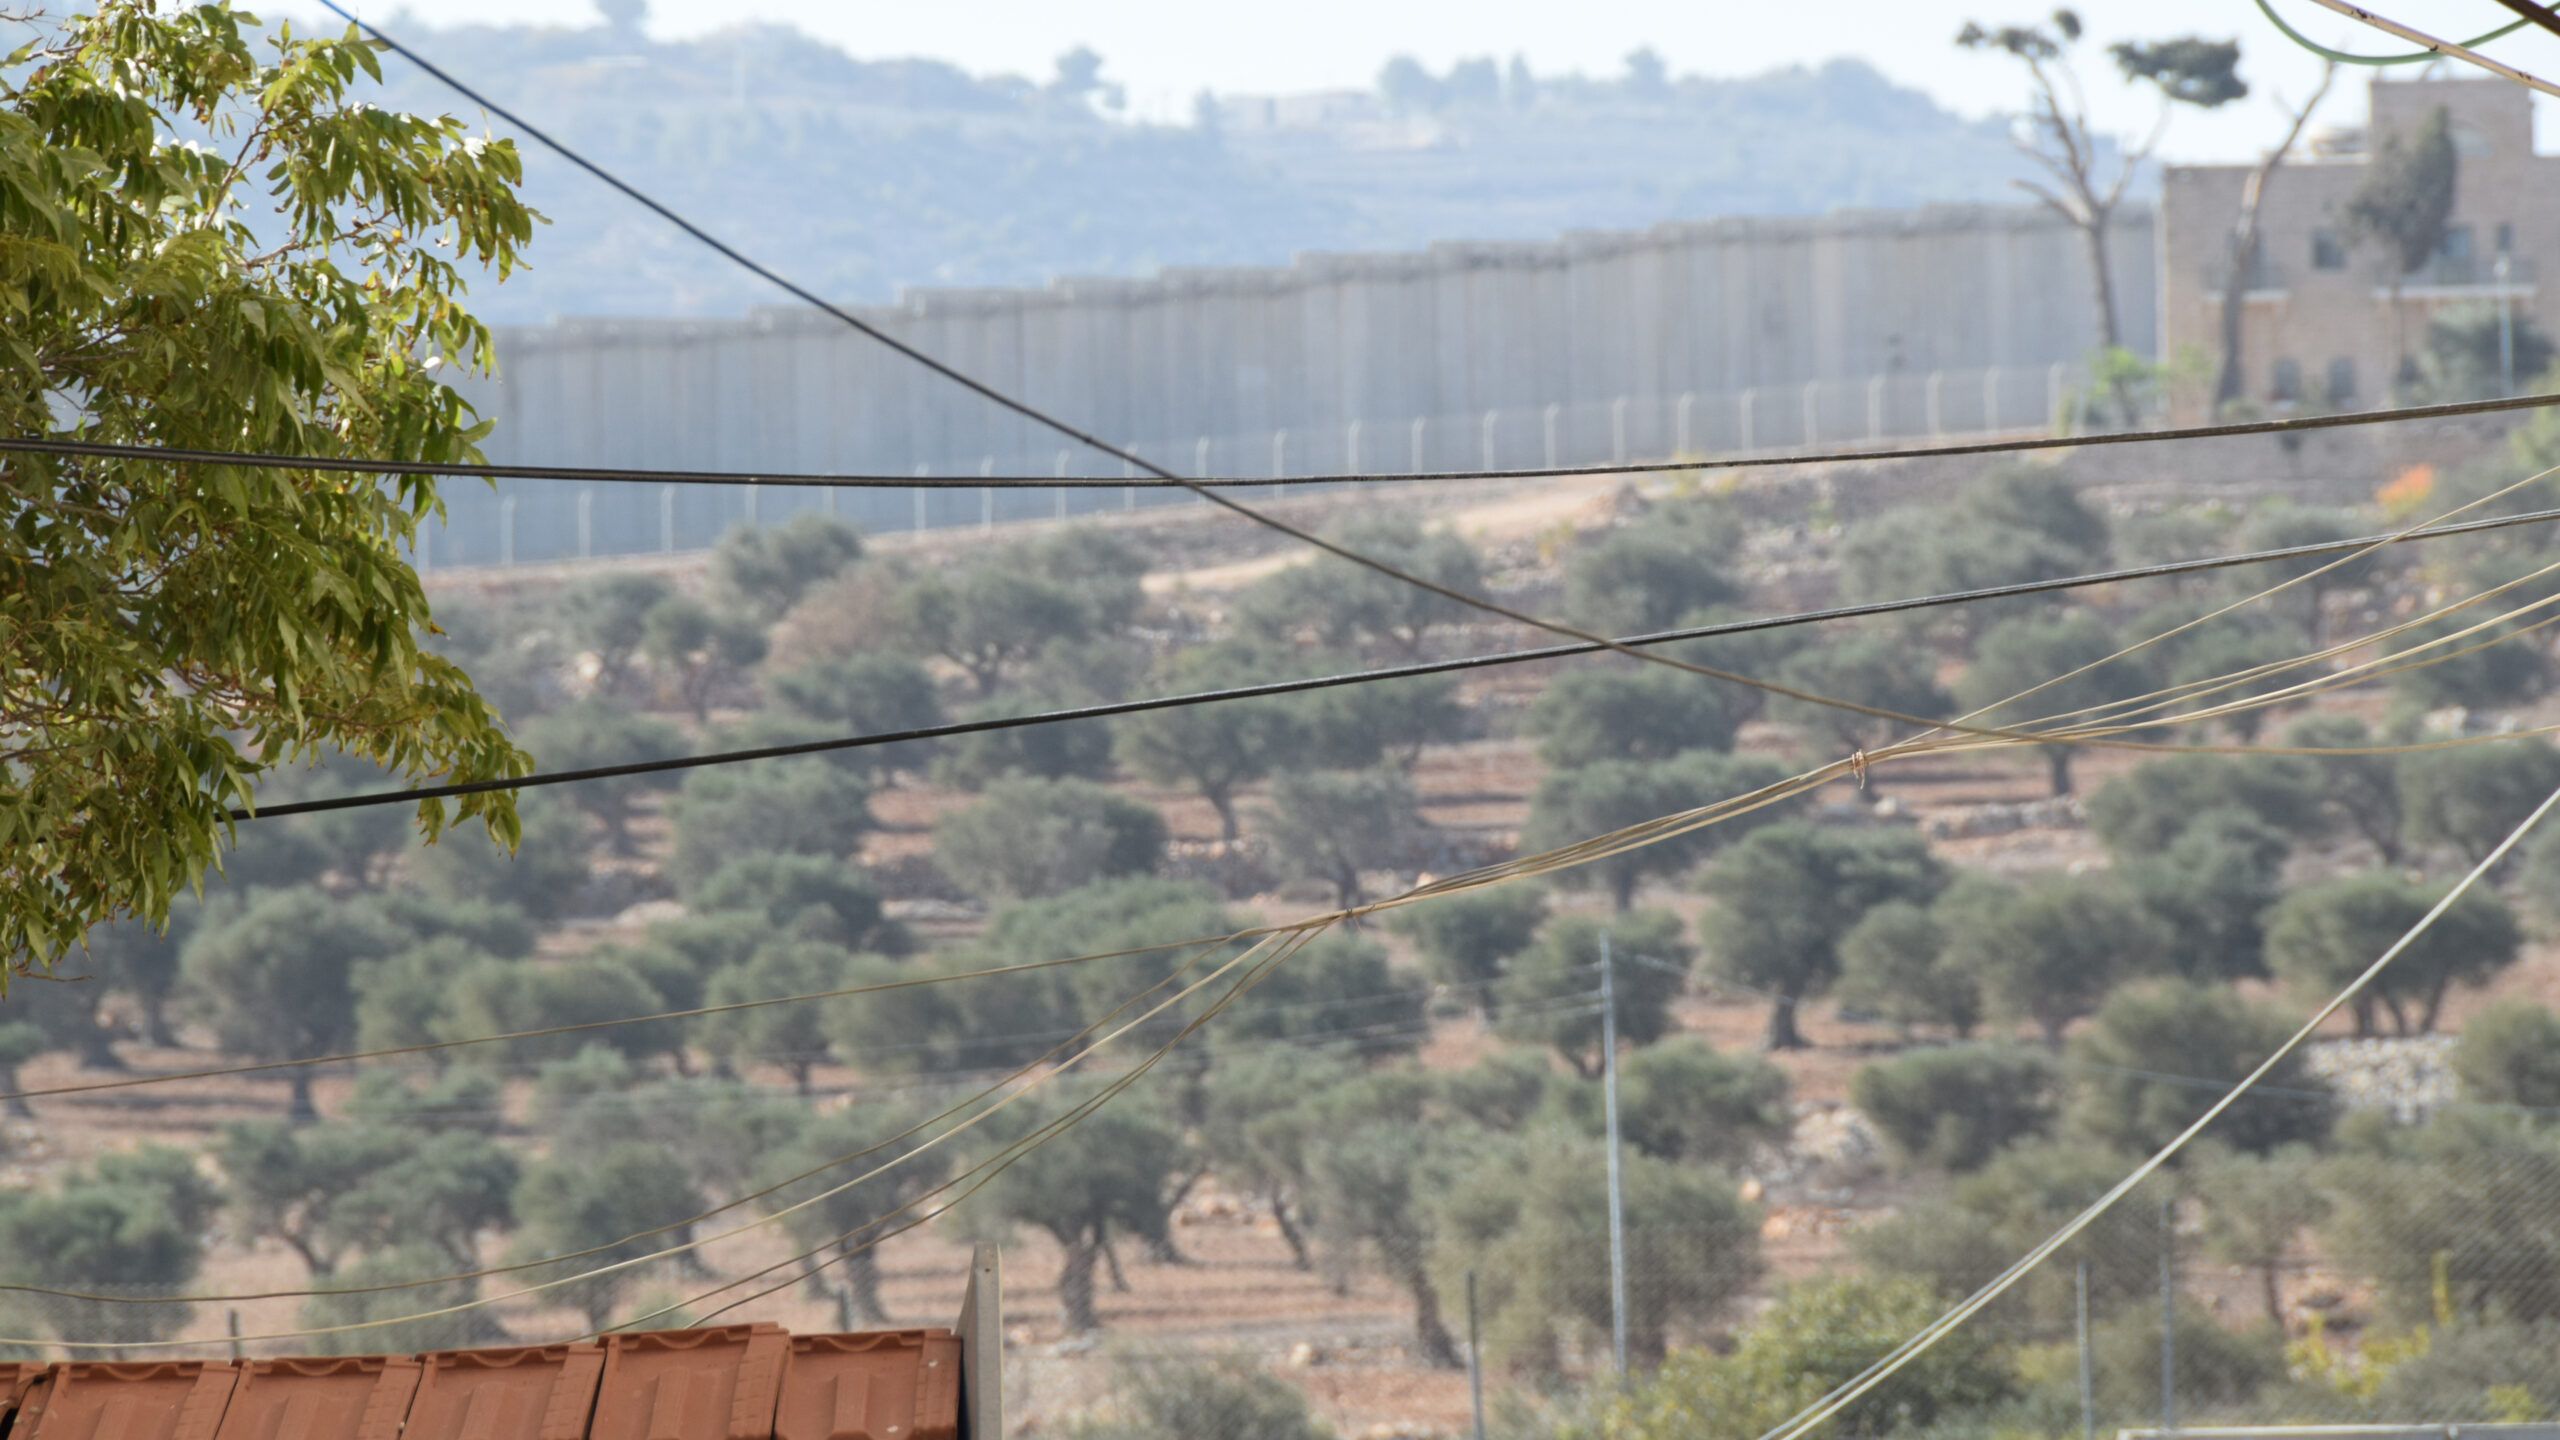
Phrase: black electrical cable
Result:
[860,480]
[1394,672]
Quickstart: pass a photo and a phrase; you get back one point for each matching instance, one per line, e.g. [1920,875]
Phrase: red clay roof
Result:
[731,1382]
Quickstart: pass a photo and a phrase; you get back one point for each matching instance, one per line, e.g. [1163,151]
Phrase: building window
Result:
[2288,382]
[2342,379]
[2328,252]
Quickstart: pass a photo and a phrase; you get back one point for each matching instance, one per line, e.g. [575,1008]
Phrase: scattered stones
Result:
[1305,1356]
[2060,812]
[2406,1077]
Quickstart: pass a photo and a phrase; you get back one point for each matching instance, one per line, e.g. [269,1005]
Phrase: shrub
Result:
[1956,1108]
[2509,1054]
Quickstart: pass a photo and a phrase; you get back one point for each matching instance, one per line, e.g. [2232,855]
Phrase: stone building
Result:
[2318,325]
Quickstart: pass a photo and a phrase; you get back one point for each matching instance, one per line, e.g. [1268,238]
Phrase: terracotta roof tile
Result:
[731,1382]
[533,1392]
[713,1384]
[107,1400]
[353,1397]
[884,1385]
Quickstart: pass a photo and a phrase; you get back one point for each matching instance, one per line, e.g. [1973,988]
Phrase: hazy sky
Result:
[1165,51]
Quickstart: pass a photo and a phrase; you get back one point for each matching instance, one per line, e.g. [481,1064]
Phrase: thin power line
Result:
[2349,57]
[868,480]
[1268,689]
[2425,41]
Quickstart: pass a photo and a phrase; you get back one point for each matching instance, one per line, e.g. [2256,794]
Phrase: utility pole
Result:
[1617,1192]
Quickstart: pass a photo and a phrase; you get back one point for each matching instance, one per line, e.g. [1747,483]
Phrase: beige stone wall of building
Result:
[2320,326]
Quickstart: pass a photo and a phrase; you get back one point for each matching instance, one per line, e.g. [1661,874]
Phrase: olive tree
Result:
[275,980]
[1531,1219]
[594,735]
[1592,800]
[1026,838]
[2157,1054]
[2322,936]
[769,568]
[1789,892]
[1336,828]
[2049,949]
[1468,940]
[1547,996]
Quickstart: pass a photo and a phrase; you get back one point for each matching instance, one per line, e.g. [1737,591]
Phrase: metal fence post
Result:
[666,519]
[1618,431]
[1200,458]
[1475,1357]
[2088,1361]
[587,521]
[1936,403]
[1351,447]
[1279,453]
[751,500]
[1548,421]
[922,472]
[1617,1191]
[2169,1314]
[1421,433]
[1487,439]
[1990,397]
[1688,406]
[1743,405]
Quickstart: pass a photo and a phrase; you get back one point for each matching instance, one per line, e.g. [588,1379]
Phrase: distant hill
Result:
[866,177]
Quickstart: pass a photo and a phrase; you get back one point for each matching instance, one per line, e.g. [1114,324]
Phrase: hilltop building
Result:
[2318,325]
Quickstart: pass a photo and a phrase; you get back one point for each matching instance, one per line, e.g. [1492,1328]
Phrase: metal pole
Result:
[1618,431]
[1553,414]
[2506,330]
[2088,1363]
[919,493]
[1421,433]
[1475,1358]
[666,519]
[2169,1315]
[1617,1192]
[586,521]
